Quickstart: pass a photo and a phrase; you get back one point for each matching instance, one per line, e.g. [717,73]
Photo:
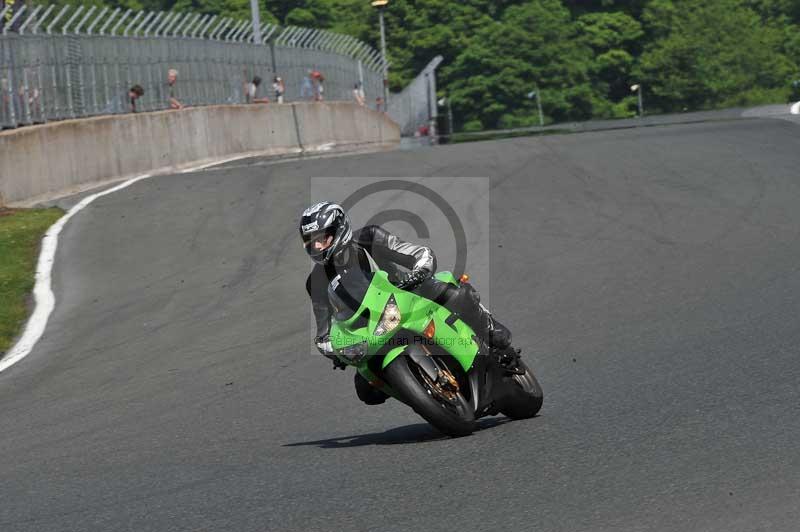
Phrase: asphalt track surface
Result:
[651,275]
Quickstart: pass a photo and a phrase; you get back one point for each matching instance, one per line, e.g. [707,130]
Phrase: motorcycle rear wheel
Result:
[526,395]
[454,418]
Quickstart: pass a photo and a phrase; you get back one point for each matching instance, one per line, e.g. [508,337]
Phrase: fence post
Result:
[42,116]
[200,25]
[13,19]
[223,23]
[28,20]
[120,21]
[207,26]
[44,16]
[70,20]
[168,27]
[131,23]
[4,11]
[83,20]
[164,22]
[108,21]
[96,20]
[153,23]
[272,57]
[8,52]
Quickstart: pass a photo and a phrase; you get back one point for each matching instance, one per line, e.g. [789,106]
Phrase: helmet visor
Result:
[318,242]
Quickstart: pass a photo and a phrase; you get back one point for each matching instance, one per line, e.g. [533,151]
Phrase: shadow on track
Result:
[418,433]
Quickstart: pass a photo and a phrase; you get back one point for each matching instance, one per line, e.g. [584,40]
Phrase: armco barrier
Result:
[64,157]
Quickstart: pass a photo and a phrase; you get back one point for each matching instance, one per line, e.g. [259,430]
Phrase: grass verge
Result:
[21,232]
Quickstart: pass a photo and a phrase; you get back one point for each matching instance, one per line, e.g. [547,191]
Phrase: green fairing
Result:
[415,314]
[456,340]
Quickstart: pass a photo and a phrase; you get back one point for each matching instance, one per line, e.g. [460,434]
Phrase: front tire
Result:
[525,397]
[454,418]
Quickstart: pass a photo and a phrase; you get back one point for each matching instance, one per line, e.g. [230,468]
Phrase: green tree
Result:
[237,9]
[613,38]
[631,7]
[534,45]
[788,10]
[710,54]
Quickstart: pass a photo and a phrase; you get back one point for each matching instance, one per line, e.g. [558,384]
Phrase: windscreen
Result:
[347,291]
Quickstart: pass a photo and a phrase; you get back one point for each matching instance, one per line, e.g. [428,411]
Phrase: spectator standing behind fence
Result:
[307,87]
[358,94]
[172,78]
[279,87]
[317,78]
[134,94]
[379,105]
[5,100]
[117,105]
[251,91]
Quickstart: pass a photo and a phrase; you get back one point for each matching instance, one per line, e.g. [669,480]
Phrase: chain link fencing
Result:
[63,62]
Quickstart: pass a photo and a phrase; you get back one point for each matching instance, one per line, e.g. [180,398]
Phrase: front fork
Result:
[440,378]
[375,381]
[484,377]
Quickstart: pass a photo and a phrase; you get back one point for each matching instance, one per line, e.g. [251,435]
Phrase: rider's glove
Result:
[413,279]
[324,346]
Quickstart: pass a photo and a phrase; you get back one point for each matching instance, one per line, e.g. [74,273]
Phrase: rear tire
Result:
[525,397]
[452,419]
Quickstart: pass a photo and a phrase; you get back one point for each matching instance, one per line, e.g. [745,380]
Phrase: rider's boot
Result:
[496,335]
[508,359]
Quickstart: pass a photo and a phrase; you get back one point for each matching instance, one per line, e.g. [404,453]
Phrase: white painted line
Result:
[42,290]
[796,109]
[214,163]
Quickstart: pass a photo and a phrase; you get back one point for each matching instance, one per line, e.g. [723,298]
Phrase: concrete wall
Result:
[63,157]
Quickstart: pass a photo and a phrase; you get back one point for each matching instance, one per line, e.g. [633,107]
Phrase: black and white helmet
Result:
[322,220]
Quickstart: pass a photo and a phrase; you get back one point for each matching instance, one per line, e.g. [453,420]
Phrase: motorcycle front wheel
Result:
[450,413]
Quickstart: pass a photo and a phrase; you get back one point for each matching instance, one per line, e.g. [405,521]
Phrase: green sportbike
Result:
[422,354]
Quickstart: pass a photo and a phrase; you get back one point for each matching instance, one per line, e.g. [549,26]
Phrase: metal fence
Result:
[416,105]
[64,62]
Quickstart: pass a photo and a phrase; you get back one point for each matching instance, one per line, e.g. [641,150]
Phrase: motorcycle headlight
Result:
[390,318]
[353,353]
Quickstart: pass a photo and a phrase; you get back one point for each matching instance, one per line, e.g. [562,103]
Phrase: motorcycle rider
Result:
[335,248]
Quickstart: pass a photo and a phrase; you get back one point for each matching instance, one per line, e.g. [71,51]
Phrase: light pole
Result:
[380,5]
[796,89]
[538,104]
[256,16]
[795,108]
[446,101]
[638,89]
